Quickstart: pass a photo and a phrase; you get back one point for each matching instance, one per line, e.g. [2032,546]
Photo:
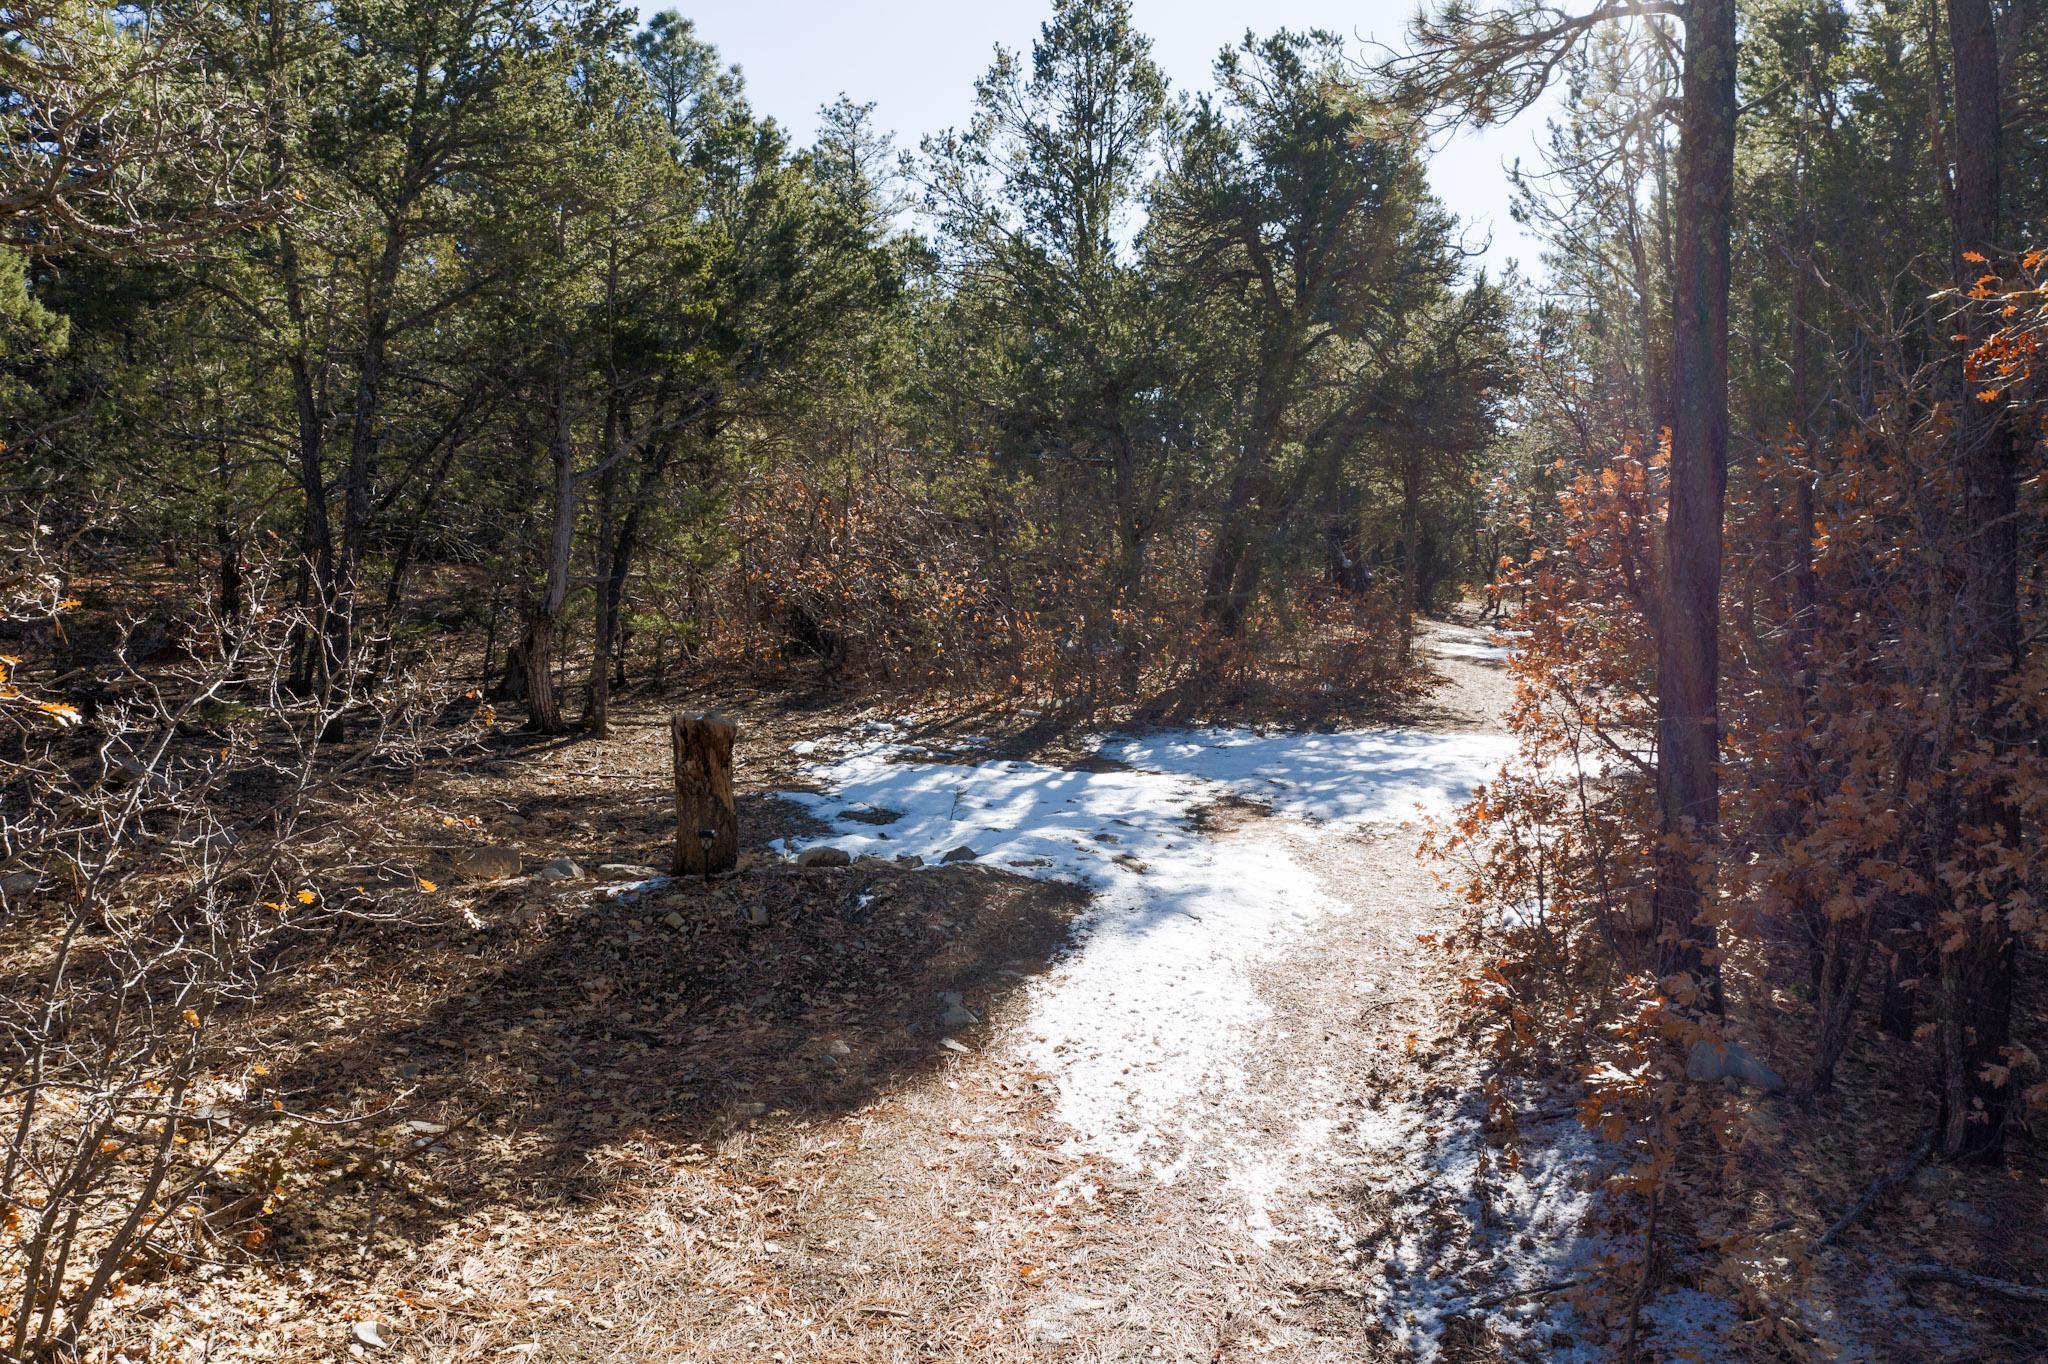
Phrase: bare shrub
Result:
[159,855]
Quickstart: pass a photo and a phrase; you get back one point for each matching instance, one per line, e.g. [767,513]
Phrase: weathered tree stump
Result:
[707,824]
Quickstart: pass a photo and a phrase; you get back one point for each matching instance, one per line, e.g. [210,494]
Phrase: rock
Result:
[911,860]
[1731,1061]
[950,1045]
[560,869]
[491,863]
[958,1017]
[963,853]
[870,860]
[16,884]
[826,856]
[125,768]
[628,871]
[757,915]
[1934,1180]
[1968,1214]
[1130,863]
[838,1048]
[673,919]
[872,814]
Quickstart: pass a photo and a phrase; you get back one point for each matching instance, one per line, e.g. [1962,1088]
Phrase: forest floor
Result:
[1216,1110]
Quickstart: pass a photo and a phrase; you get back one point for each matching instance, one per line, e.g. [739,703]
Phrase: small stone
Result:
[1130,863]
[757,915]
[950,1045]
[870,860]
[958,1017]
[672,920]
[825,856]
[963,853]
[871,814]
[492,863]
[838,1048]
[1731,1061]
[560,869]
[911,860]
[1967,1214]
[1932,1179]
[18,883]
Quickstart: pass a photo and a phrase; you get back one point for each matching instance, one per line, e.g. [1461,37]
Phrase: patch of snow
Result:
[1699,1323]
[1460,1218]
[1349,776]
[1465,648]
[1147,1009]
[1462,641]
[628,889]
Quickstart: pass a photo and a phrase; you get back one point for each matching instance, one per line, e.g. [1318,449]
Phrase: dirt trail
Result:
[1273,1205]
[955,1217]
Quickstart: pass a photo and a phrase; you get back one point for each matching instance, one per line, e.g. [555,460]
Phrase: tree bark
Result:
[365,442]
[316,536]
[1902,974]
[543,703]
[1688,656]
[1411,544]
[703,746]
[1973,1022]
[534,657]
[597,712]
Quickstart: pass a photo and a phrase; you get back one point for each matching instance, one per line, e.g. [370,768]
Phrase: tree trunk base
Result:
[707,822]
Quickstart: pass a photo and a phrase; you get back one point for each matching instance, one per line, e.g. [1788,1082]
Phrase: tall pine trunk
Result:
[1688,656]
[1412,603]
[544,614]
[597,711]
[365,442]
[1973,1021]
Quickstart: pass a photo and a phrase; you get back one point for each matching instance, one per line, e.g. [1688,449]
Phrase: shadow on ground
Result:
[560,1044]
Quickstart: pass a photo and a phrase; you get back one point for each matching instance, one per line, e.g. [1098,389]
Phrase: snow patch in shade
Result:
[1352,776]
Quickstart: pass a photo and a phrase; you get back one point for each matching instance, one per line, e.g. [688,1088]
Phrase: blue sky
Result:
[917,61]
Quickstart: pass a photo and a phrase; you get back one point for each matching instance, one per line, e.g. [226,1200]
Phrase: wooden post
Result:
[703,766]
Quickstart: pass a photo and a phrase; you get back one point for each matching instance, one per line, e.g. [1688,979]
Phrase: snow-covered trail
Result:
[1234,1023]
[1148,1011]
